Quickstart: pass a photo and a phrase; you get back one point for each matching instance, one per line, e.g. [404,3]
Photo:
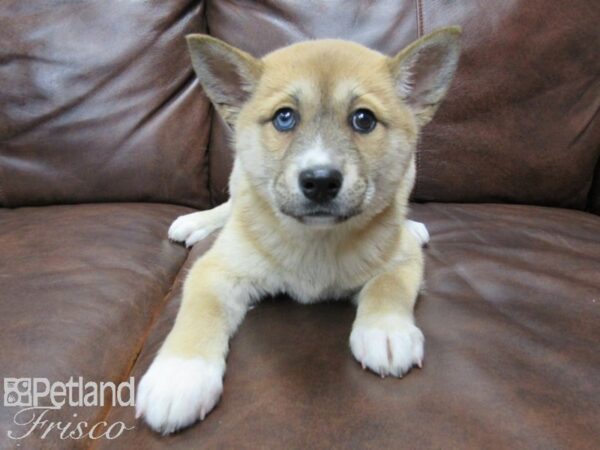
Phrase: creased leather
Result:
[98,103]
[510,312]
[78,288]
[520,123]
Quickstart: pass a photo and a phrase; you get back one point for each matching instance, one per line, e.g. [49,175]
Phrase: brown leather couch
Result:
[106,137]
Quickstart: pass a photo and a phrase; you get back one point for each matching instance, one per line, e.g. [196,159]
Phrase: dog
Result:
[325,134]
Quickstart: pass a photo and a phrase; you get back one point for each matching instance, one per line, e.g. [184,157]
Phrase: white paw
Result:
[391,345]
[176,392]
[419,230]
[192,228]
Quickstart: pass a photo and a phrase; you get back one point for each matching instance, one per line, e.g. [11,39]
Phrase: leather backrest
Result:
[261,27]
[519,123]
[98,102]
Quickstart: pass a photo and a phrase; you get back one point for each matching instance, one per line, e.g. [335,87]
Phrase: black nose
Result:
[320,184]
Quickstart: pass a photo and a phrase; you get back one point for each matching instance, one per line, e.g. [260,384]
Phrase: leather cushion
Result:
[520,122]
[98,102]
[510,313]
[79,287]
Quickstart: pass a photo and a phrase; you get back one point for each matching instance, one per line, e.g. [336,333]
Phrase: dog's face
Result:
[326,130]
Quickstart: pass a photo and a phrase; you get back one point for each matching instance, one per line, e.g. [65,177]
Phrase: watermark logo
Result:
[17,392]
[35,397]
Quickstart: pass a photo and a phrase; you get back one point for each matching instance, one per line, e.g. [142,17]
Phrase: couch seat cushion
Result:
[79,286]
[511,316]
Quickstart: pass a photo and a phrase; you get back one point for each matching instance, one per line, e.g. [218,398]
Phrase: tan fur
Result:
[199,325]
[370,256]
[395,290]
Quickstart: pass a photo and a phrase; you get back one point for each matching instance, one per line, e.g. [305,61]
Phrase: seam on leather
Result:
[140,345]
[420,24]
[211,112]
[419,8]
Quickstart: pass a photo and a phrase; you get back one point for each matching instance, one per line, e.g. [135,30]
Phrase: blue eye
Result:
[284,119]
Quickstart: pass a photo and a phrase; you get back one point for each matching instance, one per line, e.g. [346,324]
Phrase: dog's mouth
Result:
[321,217]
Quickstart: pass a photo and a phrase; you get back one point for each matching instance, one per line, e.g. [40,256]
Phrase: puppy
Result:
[325,137]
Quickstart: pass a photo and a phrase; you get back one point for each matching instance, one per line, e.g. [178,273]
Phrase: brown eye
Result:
[363,120]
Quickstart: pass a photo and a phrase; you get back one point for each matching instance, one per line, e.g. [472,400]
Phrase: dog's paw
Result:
[391,345]
[419,230]
[192,228]
[176,392]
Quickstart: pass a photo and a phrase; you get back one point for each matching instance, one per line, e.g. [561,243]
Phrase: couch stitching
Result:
[420,24]
[419,8]
[211,112]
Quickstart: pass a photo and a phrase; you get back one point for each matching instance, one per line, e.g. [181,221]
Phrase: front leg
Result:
[192,228]
[185,381]
[384,337]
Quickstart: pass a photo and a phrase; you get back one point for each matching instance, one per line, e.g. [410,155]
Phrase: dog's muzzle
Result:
[320,198]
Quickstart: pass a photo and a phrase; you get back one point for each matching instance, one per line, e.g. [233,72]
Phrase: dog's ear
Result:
[227,74]
[424,70]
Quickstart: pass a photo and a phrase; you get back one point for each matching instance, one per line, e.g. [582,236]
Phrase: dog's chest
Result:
[319,272]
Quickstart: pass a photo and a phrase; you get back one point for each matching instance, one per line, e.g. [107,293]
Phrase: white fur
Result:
[392,345]
[351,179]
[419,230]
[194,227]
[315,155]
[309,271]
[176,392]
[305,281]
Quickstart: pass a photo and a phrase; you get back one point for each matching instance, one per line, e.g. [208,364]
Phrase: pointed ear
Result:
[228,75]
[424,70]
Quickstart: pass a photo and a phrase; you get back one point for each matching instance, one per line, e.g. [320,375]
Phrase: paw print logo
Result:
[17,392]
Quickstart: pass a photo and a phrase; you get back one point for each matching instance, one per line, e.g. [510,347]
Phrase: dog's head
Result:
[326,130]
